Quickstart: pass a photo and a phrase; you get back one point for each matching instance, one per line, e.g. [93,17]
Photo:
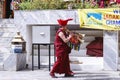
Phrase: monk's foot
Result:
[69,75]
[53,75]
[72,73]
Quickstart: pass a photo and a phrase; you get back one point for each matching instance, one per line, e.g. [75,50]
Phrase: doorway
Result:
[6,11]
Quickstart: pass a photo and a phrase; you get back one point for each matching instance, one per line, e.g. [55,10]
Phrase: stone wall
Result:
[7,32]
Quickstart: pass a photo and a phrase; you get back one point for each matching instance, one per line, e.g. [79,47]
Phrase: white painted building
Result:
[27,21]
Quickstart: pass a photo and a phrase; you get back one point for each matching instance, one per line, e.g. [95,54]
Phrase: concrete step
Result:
[6,21]
[88,63]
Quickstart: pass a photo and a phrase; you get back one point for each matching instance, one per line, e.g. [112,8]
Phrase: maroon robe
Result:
[95,48]
[62,64]
[118,1]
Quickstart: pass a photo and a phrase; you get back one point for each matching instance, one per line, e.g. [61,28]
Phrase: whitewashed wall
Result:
[23,20]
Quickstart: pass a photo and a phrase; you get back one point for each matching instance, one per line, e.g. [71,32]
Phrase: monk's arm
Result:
[62,36]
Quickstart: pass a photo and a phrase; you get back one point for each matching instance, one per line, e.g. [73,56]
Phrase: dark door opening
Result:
[8,11]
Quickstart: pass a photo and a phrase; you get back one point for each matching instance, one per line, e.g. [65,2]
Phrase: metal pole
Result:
[32,57]
[49,57]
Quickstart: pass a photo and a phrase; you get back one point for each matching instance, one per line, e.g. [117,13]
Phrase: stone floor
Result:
[43,74]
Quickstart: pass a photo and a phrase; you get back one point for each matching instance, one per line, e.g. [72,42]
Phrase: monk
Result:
[62,64]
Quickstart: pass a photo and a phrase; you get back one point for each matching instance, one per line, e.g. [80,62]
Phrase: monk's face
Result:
[64,27]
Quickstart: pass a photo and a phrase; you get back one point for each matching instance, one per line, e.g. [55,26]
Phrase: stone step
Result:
[6,21]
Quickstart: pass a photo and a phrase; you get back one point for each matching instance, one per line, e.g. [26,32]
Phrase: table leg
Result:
[49,57]
[38,56]
[32,56]
[54,54]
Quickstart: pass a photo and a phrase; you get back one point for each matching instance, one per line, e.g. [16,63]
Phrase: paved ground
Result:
[43,74]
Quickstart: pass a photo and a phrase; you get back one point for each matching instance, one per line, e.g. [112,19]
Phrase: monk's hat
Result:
[63,22]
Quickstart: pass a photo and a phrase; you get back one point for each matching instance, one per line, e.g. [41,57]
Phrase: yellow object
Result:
[76,62]
[105,19]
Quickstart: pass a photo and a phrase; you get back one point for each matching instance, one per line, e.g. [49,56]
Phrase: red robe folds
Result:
[95,48]
[62,64]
